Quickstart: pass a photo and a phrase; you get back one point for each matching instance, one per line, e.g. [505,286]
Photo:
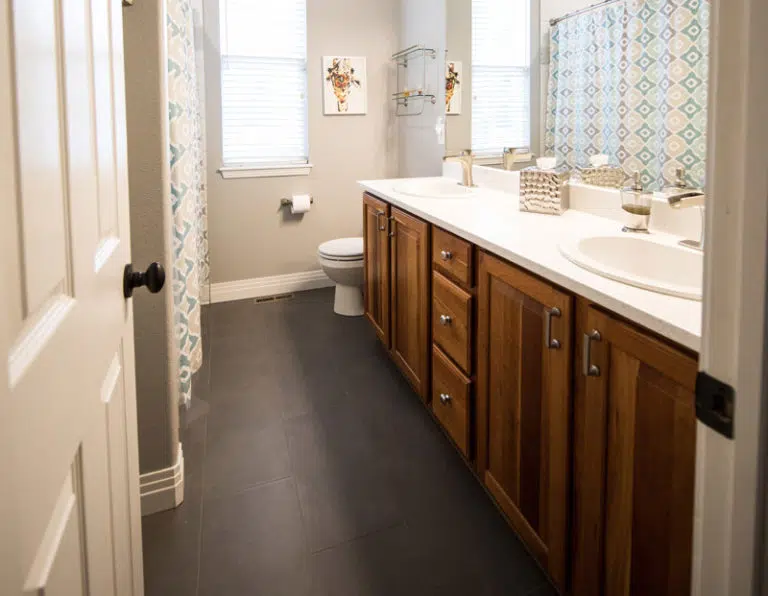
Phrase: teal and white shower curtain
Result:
[188,196]
[629,79]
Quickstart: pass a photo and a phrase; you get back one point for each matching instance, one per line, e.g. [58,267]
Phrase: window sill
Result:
[272,171]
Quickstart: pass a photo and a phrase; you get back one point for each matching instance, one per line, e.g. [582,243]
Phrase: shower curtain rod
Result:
[555,21]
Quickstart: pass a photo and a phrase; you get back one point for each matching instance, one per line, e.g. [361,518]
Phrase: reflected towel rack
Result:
[555,21]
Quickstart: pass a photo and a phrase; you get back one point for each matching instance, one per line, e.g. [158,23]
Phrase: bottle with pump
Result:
[636,203]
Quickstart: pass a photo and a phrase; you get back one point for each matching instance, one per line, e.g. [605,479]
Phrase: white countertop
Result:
[491,220]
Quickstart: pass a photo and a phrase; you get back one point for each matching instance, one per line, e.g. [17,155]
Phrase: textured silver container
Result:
[606,176]
[544,191]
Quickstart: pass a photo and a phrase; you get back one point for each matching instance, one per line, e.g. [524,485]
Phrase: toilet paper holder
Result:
[287,202]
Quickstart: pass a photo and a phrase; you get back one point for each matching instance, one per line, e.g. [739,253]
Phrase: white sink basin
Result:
[434,188]
[645,262]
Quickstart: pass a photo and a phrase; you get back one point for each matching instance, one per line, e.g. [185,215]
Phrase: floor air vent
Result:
[278,298]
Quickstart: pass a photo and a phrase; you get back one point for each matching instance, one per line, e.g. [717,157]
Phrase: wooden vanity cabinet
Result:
[376,265]
[634,460]
[396,249]
[524,356]
[409,298]
[581,425]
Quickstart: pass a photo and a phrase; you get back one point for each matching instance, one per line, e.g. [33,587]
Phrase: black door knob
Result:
[153,278]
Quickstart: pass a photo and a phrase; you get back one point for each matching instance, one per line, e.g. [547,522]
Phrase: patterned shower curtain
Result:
[629,79]
[188,196]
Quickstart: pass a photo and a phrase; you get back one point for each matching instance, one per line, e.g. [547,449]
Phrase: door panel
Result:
[59,567]
[523,405]
[376,287]
[42,193]
[67,400]
[409,303]
[635,435]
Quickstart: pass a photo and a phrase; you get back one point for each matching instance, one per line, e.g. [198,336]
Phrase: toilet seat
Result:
[342,250]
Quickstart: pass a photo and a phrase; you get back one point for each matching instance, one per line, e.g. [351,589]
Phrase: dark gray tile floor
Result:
[313,470]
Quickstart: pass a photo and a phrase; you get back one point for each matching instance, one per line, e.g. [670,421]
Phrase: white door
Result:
[69,501]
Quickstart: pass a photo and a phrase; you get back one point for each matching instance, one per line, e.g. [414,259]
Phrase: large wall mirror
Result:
[573,79]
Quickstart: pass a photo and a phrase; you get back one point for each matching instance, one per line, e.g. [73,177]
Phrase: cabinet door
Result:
[410,298]
[634,457]
[376,248]
[523,400]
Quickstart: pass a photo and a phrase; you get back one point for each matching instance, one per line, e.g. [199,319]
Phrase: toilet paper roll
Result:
[301,203]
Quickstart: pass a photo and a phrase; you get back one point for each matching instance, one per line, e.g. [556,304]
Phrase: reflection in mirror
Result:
[624,79]
[492,43]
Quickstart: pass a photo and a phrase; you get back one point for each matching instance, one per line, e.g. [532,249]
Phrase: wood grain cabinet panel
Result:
[409,299]
[376,288]
[524,348]
[452,320]
[453,256]
[451,400]
[634,461]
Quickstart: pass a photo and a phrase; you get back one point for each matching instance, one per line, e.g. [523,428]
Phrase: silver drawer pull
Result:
[445,398]
[445,320]
[446,255]
[590,370]
[548,341]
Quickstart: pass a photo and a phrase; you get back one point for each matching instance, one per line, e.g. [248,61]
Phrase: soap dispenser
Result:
[636,203]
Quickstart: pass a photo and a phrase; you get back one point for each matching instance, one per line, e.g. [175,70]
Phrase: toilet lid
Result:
[342,249]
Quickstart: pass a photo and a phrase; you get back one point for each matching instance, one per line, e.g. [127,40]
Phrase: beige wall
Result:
[420,154]
[249,235]
[146,106]
[458,127]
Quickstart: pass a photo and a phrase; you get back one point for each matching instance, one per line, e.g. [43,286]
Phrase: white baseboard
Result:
[163,489]
[262,287]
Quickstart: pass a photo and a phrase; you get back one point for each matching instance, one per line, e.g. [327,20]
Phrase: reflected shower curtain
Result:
[188,197]
[629,79]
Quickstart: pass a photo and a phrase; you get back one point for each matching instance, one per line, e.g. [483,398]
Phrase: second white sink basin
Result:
[434,188]
[645,262]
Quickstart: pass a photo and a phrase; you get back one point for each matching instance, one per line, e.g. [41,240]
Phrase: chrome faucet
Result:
[466,159]
[682,196]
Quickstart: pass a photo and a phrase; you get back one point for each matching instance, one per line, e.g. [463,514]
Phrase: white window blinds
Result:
[264,82]
[501,75]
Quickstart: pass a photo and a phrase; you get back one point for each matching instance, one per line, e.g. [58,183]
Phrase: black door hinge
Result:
[715,404]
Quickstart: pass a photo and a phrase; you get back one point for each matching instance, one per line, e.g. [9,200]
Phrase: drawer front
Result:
[452,255]
[452,320]
[451,399]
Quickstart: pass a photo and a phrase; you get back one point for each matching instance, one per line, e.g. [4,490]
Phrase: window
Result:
[264,84]
[501,75]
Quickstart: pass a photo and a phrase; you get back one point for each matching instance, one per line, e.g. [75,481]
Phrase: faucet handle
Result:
[680,177]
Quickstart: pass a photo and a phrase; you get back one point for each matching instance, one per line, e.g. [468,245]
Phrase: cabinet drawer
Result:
[452,320]
[451,399]
[452,255]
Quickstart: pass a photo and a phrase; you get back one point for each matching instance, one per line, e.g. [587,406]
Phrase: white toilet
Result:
[342,261]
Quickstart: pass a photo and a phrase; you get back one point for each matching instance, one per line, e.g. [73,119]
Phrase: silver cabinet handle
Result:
[382,227]
[590,370]
[548,341]
[445,320]
[445,398]
[392,223]
[446,255]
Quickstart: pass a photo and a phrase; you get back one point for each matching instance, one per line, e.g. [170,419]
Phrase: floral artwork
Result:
[344,82]
[453,78]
